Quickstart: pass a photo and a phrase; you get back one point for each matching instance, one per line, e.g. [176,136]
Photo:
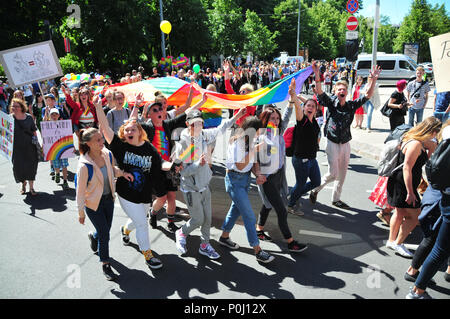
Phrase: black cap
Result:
[194,116]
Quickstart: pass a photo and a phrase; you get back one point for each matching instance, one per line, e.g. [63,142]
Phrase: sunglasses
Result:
[156,110]
[243,92]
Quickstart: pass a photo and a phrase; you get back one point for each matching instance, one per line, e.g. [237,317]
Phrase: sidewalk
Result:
[370,144]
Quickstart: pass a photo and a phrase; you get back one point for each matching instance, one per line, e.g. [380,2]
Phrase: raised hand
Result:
[292,88]
[375,72]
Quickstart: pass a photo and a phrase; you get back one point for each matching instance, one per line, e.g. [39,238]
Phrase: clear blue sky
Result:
[396,10]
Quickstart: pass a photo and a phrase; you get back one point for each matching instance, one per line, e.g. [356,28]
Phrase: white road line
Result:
[319,234]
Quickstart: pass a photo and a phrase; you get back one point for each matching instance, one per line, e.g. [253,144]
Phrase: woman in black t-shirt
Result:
[306,138]
[399,106]
[135,155]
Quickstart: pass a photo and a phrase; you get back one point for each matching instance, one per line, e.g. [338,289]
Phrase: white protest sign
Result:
[440,56]
[6,135]
[57,139]
[31,63]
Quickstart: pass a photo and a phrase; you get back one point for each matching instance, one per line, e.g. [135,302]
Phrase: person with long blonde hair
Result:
[137,156]
[417,146]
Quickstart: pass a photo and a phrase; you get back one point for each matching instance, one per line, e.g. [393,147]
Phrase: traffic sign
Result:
[352,23]
[352,6]
[351,35]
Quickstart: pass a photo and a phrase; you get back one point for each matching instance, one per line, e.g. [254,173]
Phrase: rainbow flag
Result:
[273,93]
[272,128]
[189,155]
[211,117]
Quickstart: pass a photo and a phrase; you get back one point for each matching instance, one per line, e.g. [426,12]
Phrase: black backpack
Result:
[438,167]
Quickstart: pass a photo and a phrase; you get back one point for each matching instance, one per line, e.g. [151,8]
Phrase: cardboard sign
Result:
[6,135]
[57,139]
[440,56]
[31,63]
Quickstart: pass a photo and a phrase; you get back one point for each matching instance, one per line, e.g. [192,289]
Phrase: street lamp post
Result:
[375,33]
[163,43]
[298,29]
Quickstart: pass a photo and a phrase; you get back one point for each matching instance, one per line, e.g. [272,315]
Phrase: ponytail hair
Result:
[85,136]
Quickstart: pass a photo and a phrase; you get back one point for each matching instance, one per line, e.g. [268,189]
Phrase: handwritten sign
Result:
[440,56]
[6,135]
[31,63]
[57,139]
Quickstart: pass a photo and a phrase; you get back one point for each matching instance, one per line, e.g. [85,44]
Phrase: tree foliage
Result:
[125,33]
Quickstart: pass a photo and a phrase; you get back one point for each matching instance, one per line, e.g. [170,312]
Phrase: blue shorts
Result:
[61,163]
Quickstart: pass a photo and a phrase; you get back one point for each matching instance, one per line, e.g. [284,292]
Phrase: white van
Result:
[394,67]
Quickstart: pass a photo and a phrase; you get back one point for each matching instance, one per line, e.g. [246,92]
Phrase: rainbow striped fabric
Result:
[273,93]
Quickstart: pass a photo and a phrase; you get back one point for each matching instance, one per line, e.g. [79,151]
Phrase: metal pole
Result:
[298,29]
[375,33]
[163,43]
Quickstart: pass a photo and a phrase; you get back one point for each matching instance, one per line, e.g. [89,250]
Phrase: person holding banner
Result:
[62,163]
[25,156]
[193,156]
[137,156]
[84,114]
[337,130]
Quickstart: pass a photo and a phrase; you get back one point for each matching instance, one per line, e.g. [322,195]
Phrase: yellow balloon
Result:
[165,26]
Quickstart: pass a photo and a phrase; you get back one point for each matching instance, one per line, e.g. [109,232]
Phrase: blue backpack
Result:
[90,169]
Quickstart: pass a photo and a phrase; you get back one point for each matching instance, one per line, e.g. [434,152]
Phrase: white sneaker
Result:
[391,245]
[180,240]
[403,251]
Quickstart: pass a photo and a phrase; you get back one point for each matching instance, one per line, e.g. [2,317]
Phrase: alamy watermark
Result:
[73,281]
[74,20]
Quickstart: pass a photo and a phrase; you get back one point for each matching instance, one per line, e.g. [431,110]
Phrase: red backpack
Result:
[289,136]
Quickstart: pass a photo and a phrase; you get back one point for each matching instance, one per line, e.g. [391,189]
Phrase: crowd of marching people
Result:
[130,153]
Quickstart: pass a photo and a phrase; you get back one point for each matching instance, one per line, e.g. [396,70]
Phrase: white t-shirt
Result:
[236,154]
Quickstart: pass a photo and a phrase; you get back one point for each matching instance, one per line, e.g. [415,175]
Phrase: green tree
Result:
[225,26]
[417,27]
[286,23]
[117,36]
[259,40]
[188,36]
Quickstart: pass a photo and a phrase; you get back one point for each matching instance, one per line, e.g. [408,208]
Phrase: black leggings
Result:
[272,189]
[395,121]
[424,249]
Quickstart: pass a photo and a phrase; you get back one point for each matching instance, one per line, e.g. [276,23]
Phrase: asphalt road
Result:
[45,252]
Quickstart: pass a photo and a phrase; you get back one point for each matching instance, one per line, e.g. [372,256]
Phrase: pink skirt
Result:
[379,193]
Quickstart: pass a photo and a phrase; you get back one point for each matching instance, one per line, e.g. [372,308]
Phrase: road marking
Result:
[319,234]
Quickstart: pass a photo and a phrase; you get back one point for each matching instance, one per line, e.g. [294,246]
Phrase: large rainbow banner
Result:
[273,93]
[57,139]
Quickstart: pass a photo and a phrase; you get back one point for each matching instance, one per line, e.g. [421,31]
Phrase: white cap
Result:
[54,110]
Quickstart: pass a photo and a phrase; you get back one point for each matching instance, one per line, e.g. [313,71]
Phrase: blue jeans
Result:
[237,186]
[102,220]
[441,116]
[440,252]
[418,113]
[4,106]
[303,170]
[369,110]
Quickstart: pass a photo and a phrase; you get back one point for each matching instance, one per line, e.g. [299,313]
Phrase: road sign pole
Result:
[375,33]
[298,28]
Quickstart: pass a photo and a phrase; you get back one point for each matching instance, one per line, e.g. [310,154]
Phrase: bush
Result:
[72,64]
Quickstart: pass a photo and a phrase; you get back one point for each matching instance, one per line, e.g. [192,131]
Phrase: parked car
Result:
[394,67]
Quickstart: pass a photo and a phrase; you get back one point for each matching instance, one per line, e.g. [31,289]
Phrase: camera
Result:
[417,95]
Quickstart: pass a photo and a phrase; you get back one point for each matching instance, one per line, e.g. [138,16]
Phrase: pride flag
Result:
[273,93]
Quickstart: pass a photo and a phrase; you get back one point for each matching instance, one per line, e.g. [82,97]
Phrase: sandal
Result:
[381,216]
[23,190]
